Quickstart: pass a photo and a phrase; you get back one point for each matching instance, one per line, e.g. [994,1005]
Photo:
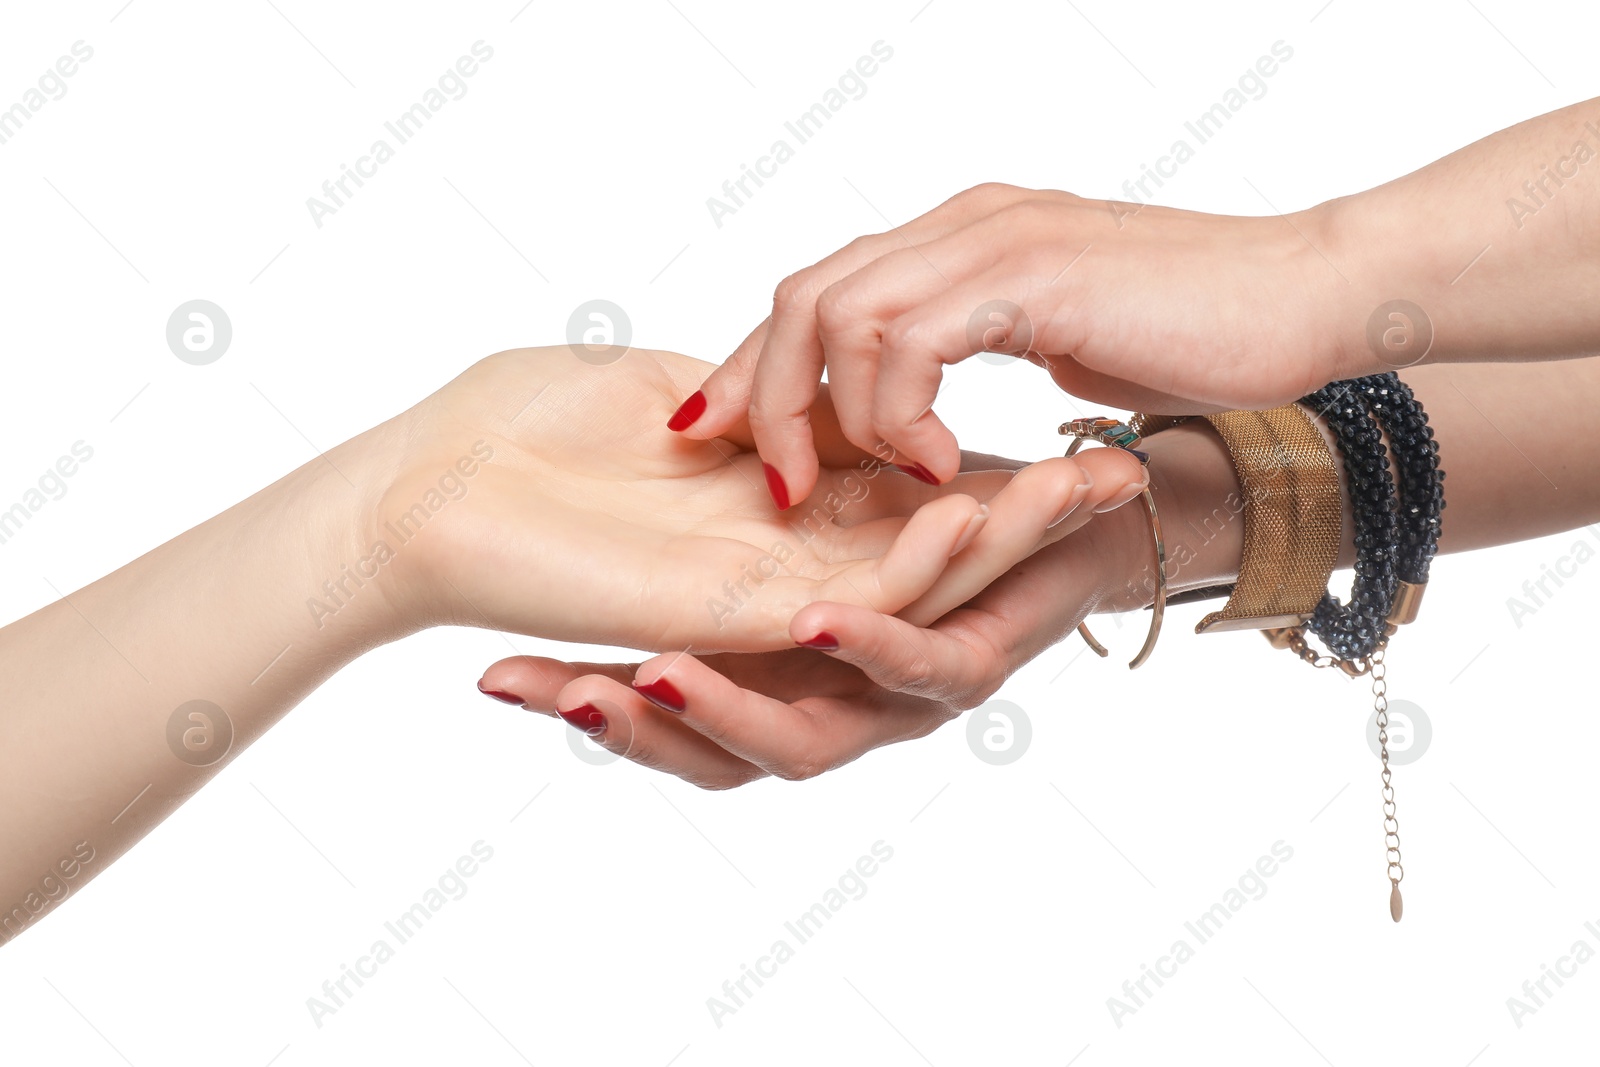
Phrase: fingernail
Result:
[1132,491]
[1074,499]
[500,694]
[917,471]
[823,642]
[687,412]
[661,693]
[775,486]
[586,718]
[974,524]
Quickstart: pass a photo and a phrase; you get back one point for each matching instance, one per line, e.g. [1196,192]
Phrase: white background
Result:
[1020,897]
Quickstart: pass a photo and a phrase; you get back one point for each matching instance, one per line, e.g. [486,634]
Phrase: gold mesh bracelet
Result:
[1293,515]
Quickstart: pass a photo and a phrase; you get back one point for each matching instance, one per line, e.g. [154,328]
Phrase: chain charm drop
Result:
[1391,825]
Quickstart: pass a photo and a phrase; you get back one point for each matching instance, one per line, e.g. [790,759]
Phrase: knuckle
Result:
[1031,216]
[721,781]
[917,679]
[762,413]
[988,196]
[630,745]
[864,438]
[768,418]
[794,293]
[633,750]
[799,768]
[855,422]
[975,694]
[891,417]
[743,359]
[865,247]
[836,310]
[899,337]
[941,712]
[988,673]
[1056,480]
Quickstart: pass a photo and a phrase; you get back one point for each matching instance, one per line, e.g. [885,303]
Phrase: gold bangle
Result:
[1115,434]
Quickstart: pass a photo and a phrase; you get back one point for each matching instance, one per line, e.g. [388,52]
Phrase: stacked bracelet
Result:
[1416,459]
[1352,632]
[1292,524]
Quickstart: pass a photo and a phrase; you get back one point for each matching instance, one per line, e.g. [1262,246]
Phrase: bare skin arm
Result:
[536,493]
[1494,250]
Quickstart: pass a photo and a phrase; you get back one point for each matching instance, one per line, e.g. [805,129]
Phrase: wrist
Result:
[319,523]
[1371,252]
[316,535]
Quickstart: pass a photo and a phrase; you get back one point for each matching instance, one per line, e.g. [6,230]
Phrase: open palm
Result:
[585,519]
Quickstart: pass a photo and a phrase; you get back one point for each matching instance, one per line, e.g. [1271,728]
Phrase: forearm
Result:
[1498,243]
[95,681]
[1504,482]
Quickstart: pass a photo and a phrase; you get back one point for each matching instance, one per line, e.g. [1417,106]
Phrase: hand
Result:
[542,494]
[722,721]
[796,713]
[1136,307]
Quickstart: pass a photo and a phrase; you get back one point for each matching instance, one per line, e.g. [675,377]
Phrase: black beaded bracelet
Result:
[1416,460]
[1353,632]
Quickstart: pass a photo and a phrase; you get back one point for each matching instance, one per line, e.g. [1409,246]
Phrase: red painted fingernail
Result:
[500,694]
[687,413]
[661,693]
[917,471]
[586,718]
[823,642]
[775,486]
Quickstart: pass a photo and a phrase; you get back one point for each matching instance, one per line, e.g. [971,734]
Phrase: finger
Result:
[857,321]
[620,719]
[851,383]
[791,741]
[851,500]
[896,655]
[723,400]
[1045,502]
[534,681]
[788,373]
[791,360]
[1019,517]
[788,370]
[834,450]
[912,564]
[920,342]
[1118,478]
[854,314]
[902,415]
